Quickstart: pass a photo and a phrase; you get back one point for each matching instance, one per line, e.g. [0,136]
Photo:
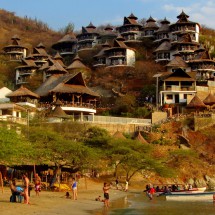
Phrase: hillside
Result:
[31,32]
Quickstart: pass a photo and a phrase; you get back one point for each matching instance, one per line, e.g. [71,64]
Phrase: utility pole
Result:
[157,91]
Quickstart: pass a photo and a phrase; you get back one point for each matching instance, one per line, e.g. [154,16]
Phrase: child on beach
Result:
[98,199]
[68,195]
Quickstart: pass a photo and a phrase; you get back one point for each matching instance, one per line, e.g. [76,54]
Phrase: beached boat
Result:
[205,196]
[181,191]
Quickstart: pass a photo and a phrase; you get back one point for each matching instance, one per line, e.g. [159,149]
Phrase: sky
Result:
[59,13]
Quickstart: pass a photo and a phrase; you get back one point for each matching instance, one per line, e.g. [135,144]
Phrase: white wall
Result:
[130,56]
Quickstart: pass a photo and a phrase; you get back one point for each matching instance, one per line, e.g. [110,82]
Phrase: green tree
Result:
[15,149]
[54,148]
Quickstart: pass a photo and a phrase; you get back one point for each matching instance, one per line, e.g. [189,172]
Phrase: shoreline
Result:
[55,203]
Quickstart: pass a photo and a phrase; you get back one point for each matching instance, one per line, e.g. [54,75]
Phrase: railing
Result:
[178,88]
[69,104]
[118,120]
[128,29]
[10,118]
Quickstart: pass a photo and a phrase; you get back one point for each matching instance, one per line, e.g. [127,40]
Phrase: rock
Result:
[191,181]
[211,184]
[200,183]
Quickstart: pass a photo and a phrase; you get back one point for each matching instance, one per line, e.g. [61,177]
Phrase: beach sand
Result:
[53,203]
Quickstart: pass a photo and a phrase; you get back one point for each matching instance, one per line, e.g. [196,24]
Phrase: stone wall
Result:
[113,128]
[158,116]
[202,122]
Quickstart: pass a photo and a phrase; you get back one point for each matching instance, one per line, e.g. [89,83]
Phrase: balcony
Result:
[25,72]
[178,88]
[180,29]
[116,54]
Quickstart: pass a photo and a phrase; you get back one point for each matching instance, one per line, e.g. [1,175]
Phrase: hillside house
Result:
[77,99]
[88,38]
[15,50]
[130,30]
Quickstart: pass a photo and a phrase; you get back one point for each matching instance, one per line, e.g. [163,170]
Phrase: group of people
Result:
[24,191]
[150,190]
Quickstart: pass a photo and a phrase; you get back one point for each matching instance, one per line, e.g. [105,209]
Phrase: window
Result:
[169,97]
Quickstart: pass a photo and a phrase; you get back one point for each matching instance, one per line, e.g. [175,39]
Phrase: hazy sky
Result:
[58,13]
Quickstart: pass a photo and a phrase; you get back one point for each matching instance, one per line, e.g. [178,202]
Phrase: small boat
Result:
[181,191]
[205,196]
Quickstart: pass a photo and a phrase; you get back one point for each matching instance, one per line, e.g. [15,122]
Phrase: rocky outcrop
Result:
[210,182]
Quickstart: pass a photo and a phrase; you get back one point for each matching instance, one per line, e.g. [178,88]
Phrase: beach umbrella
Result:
[209,100]
[119,135]
[196,103]
[140,138]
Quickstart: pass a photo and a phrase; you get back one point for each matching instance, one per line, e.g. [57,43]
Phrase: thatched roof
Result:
[210,99]
[77,64]
[140,138]
[178,75]
[196,102]
[164,46]
[177,62]
[119,135]
[58,112]
[23,92]
[68,83]
[69,38]
[56,68]
[150,24]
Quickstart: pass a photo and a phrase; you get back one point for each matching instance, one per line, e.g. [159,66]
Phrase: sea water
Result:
[139,204]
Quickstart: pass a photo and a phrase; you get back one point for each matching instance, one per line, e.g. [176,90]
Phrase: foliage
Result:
[141,112]
[162,141]
[52,147]
[124,104]
[7,76]
[15,149]
[68,29]
[97,137]
[131,157]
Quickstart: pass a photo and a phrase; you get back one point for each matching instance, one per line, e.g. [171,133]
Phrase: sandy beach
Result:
[53,203]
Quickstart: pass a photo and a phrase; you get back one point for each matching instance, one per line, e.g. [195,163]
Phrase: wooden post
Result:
[85,177]
[1,181]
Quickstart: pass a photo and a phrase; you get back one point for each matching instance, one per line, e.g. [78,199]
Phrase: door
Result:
[176,98]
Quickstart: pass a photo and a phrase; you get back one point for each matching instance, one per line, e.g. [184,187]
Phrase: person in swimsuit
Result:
[74,189]
[26,187]
[106,194]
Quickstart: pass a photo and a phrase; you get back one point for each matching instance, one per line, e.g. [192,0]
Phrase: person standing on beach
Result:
[106,194]
[37,183]
[26,187]
[74,189]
